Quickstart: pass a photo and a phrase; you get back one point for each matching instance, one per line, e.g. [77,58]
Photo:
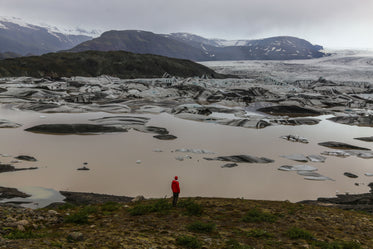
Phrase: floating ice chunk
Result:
[313,176]
[338,153]
[316,158]
[286,168]
[297,168]
[297,157]
[366,155]
[196,151]
[350,175]
[295,139]
[368,174]
[229,165]
[318,178]
[138,161]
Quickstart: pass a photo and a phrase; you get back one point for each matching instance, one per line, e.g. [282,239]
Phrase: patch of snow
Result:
[18,21]
[2,26]
[225,43]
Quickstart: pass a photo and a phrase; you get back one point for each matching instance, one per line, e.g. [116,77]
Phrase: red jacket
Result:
[175,186]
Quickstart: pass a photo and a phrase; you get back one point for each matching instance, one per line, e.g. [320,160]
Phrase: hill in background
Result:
[193,47]
[94,63]
[22,38]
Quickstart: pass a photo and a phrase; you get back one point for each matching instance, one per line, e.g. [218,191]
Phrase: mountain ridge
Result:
[22,38]
[197,48]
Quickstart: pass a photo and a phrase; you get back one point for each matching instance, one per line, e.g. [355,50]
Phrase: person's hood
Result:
[176,177]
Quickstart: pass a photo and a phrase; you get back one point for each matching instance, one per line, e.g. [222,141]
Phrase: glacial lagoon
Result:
[135,163]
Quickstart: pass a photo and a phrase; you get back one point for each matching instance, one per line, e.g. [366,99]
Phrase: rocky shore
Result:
[194,223]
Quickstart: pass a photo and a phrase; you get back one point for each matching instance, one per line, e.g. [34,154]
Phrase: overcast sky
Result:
[331,23]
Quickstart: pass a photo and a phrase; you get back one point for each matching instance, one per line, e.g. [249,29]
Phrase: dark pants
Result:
[174,201]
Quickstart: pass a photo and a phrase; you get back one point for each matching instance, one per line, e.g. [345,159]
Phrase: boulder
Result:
[75,236]
[138,198]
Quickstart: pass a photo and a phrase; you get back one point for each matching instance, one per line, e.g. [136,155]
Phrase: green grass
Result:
[256,215]
[299,233]
[110,206]
[201,227]
[140,209]
[259,233]
[191,207]
[28,234]
[234,244]
[160,206]
[79,217]
[188,242]
[66,206]
[336,245]
[89,209]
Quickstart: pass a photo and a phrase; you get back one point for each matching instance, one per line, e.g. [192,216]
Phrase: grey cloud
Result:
[328,22]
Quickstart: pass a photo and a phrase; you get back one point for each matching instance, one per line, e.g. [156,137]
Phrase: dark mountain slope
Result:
[141,42]
[94,63]
[197,48]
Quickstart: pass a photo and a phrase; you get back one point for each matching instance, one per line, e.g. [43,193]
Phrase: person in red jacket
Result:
[175,190]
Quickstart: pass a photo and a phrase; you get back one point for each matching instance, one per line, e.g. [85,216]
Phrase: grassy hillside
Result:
[93,63]
[195,223]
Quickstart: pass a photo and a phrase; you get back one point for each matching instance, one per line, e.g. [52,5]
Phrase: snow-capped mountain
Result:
[20,37]
[197,48]
[272,48]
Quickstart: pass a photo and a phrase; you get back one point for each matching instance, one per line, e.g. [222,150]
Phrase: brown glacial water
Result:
[113,168]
